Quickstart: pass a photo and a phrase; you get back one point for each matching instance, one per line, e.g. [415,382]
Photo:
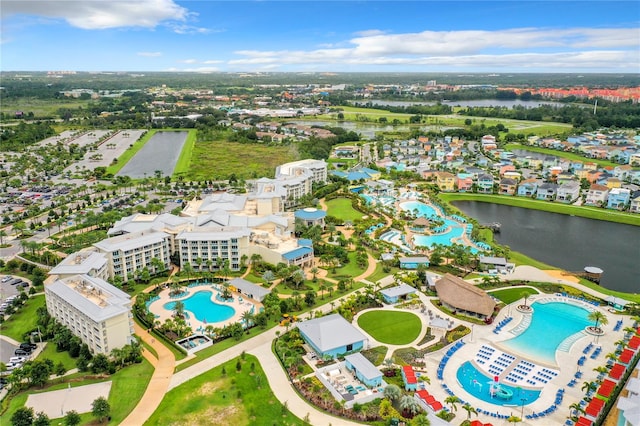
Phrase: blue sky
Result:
[341,36]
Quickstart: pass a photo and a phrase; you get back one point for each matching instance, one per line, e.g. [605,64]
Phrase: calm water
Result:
[566,241]
[204,309]
[478,384]
[161,152]
[550,325]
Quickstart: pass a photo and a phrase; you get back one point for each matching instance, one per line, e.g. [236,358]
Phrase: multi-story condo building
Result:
[130,253]
[85,262]
[317,169]
[209,247]
[93,310]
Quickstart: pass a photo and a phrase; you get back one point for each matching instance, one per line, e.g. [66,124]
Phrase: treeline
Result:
[318,148]
[15,138]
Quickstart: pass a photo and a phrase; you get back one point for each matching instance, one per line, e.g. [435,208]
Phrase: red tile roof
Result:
[594,407]
[606,388]
[634,343]
[617,371]
[583,421]
[626,356]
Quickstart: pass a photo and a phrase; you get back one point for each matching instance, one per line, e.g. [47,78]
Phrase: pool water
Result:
[551,324]
[203,308]
[479,385]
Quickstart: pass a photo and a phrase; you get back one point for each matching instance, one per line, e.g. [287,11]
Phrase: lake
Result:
[565,241]
[161,152]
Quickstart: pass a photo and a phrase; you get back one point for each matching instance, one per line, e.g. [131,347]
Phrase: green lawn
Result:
[528,203]
[391,327]
[23,321]
[128,386]
[510,295]
[351,269]
[342,209]
[55,356]
[182,165]
[379,273]
[234,398]
[130,152]
[568,155]
[219,159]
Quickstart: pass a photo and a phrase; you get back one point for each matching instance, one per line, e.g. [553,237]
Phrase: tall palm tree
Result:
[599,318]
[392,392]
[452,401]
[470,410]
[409,405]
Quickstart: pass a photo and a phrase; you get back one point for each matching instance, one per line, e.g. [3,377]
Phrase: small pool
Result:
[483,387]
[203,308]
[551,324]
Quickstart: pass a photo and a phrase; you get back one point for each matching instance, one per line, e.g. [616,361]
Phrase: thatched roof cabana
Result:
[421,222]
[461,295]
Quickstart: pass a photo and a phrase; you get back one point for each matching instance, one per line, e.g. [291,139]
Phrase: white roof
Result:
[493,260]
[130,241]
[213,234]
[330,332]
[363,366]
[80,263]
[248,287]
[114,302]
[399,290]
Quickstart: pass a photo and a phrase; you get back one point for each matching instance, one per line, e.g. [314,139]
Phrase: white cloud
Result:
[98,14]
[198,69]
[521,48]
[150,54]
[369,33]
[213,61]
[188,61]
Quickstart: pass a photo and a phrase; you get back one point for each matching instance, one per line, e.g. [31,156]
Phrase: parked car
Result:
[28,346]
[21,352]
[18,282]
[6,278]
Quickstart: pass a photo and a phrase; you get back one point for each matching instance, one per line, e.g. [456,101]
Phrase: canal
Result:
[568,242]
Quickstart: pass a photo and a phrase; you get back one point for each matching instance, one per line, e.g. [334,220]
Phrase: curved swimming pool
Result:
[551,324]
[483,387]
[203,308]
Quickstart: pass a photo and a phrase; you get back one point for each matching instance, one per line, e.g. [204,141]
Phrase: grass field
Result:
[182,164]
[219,159]
[130,152]
[528,203]
[128,386]
[51,353]
[40,107]
[351,269]
[568,155]
[342,209]
[510,295]
[23,321]
[390,327]
[234,398]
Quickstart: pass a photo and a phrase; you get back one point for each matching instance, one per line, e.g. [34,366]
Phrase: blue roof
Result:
[299,252]
[310,214]
[303,242]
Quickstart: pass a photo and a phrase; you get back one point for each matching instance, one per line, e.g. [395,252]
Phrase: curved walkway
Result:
[159,383]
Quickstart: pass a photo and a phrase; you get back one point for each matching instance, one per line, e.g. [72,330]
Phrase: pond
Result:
[161,152]
[566,241]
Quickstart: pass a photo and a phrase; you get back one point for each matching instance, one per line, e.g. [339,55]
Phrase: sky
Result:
[321,36]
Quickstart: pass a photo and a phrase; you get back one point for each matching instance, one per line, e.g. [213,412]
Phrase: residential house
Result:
[508,186]
[547,191]
[331,335]
[618,198]
[395,294]
[614,182]
[622,172]
[635,202]
[568,191]
[634,159]
[485,184]
[596,195]
[464,182]
[527,188]
[445,181]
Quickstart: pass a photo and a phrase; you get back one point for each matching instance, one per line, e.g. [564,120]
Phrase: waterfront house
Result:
[527,188]
[634,159]
[363,369]
[445,181]
[460,296]
[507,186]
[568,191]
[634,207]
[485,184]
[394,294]
[613,182]
[464,182]
[331,335]
[618,198]
[622,172]
[547,191]
[596,195]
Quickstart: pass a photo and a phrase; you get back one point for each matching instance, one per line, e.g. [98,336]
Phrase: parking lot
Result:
[6,350]
[108,150]
[8,290]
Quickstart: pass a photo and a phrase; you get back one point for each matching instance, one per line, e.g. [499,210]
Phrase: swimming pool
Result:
[551,324]
[479,385]
[203,308]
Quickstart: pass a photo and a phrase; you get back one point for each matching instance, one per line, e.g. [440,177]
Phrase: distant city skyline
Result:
[321,36]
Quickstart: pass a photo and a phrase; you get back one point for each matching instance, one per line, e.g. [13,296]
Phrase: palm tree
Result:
[409,405]
[452,401]
[589,386]
[322,287]
[3,234]
[392,392]
[525,295]
[599,318]
[247,317]
[313,270]
[576,409]
[470,410]
[268,276]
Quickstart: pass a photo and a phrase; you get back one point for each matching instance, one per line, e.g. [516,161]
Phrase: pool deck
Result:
[566,367]
[162,314]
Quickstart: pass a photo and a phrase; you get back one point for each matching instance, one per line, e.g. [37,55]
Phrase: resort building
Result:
[208,247]
[629,405]
[128,254]
[363,369]
[413,262]
[311,217]
[397,293]
[498,264]
[331,335]
[93,310]
[85,262]
[249,289]
[458,295]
